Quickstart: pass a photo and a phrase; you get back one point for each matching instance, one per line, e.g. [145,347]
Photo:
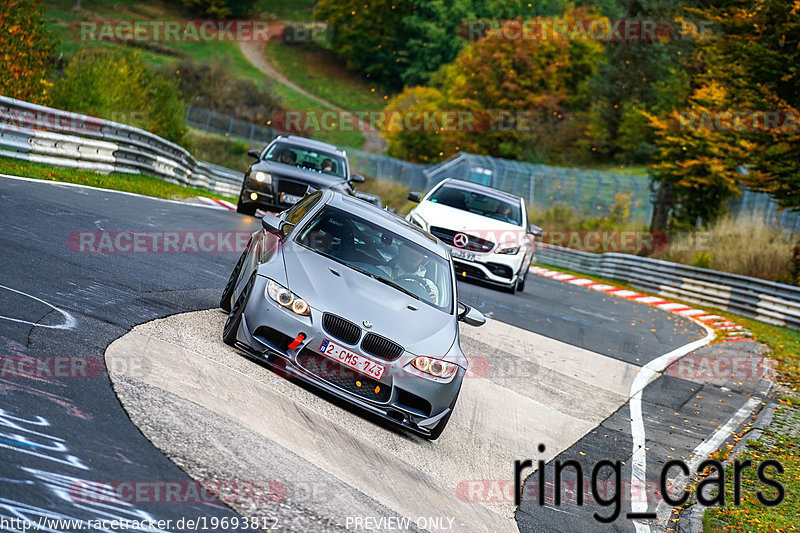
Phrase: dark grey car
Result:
[357,302]
[288,168]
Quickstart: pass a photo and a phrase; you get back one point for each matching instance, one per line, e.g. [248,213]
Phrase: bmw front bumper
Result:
[403,396]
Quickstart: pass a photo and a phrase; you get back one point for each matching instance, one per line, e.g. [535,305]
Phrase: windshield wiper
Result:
[384,280]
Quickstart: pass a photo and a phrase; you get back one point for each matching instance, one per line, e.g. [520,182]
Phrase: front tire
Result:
[227,292]
[436,432]
[234,320]
[521,282]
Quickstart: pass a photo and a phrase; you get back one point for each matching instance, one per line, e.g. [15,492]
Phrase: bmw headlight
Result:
[434,367]
[508,249]
[263,177]
[287,298]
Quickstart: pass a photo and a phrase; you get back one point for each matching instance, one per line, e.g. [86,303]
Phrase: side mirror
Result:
[471,316]
[415,196]
[534,229]
[254,153]
[274,224]
[357,178]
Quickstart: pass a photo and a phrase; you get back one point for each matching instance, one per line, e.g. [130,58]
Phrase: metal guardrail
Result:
[46,135]
[767,301]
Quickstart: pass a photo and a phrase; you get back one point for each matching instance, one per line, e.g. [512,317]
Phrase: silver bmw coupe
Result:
[357,302]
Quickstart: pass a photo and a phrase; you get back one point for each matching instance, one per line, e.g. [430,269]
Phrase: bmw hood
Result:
[329,286]
[458,220]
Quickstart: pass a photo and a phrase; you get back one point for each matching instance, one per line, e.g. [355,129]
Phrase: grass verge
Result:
[320,72]
[295,101]
[136,183]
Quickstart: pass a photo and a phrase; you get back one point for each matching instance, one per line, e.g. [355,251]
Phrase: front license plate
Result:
[460,254]
[290,198]
[351,359]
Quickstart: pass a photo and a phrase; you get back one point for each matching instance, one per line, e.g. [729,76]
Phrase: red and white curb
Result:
[730,330]
[219,204]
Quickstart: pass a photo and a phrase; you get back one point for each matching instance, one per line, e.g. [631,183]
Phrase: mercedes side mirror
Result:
[535,230]
[415,197]
[254,153]
[357,178]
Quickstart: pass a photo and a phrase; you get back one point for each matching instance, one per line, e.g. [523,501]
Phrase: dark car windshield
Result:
[297,156]
[381,254]
[478,203]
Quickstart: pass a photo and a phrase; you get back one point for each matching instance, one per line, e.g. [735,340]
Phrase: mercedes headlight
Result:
[508,249]
[287,298]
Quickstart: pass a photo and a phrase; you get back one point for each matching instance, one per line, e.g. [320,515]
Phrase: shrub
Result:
[219,9]
[747,246]
[25,48]
[121,86]
[215,86]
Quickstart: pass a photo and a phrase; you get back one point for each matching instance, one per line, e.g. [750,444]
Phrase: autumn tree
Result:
[25,47]
[755,54]
[740,124]
[527,97]
[699,158]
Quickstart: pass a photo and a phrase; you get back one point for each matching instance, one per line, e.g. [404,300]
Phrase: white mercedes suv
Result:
[486,229]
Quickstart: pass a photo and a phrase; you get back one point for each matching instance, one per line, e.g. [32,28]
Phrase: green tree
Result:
[121,86]
[640,76]
[25,47]
[369,35]
[219,9]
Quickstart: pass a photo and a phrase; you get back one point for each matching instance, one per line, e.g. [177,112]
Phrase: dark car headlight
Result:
[435,367]
[262,177]
[286,298]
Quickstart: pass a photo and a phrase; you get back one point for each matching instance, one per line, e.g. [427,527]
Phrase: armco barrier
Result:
[770,302]
[42,134]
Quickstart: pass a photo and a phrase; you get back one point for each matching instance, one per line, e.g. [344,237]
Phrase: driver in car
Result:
[410,263]
[287,157]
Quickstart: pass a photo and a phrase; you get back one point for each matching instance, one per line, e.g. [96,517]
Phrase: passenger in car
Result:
[328,165]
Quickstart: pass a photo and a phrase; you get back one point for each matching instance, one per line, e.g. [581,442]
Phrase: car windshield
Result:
[297,156]
[480,204]
[381,254]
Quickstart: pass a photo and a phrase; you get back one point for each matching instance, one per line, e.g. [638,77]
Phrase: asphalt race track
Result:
[146,392]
